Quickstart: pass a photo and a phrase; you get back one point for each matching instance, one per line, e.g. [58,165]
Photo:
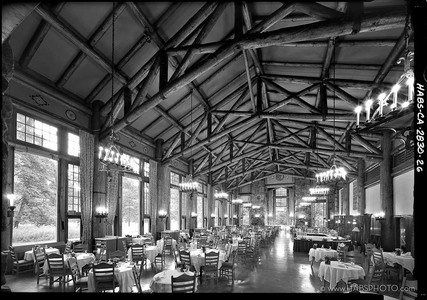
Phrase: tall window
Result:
[146,169]
[147,203]
[130,206]
[73,189]
[35,189]
[199,212]
[216,212]
[281,199]
[175,201]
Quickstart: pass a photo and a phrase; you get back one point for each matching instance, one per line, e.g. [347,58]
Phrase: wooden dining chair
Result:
[80,282]
[137,278]
[68,247]
[19,265]
[57,269]
[39,261]
[377,276]
[138,255]
[210,267]
[184,283]
[79,248]
[241,251]
[408,290]
[228,267]
[104,276]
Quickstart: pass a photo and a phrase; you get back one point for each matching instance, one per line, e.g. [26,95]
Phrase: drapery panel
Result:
[112,199]
[87,143]
[153,194]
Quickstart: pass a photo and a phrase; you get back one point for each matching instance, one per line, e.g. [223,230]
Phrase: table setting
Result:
[124,276]
[161,282]
[317,254]
[335,271]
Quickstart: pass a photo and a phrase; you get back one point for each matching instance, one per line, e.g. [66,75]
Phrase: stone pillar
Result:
[345,195]
[291,206]
[361,199]
[386,194]
[99,178]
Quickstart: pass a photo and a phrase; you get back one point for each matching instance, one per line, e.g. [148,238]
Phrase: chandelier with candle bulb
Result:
[112,159]
[188,185]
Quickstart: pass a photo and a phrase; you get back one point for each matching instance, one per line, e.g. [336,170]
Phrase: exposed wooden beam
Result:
[12,14]
[318,11]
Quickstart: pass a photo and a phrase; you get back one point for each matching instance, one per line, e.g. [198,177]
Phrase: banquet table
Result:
[124,276]
[161,282]
[337,271]
[29,255]
[198,258]
[320,254]
[405,260]
[82,259]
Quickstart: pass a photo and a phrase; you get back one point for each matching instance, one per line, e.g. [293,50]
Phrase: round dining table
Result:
[82,260]
[337,271]
[150,252]
[29,255]
[162,283]
[198,258]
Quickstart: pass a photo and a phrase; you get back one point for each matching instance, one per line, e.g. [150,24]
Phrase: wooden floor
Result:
[278,270]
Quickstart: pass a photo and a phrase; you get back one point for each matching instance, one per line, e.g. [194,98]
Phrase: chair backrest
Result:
[86,268]
[408,289]
[247,240]
[103,274]
[377,256]
[202,241]
[75,272]
[241,247]
[185,257]
[39,257]
[368,249]
[124,246]
[212,259]
[13,254]
[56,264]
[68,246]
[378,274]
[341,252]
[167,243]
[137,251]
[79,248]
[184,283]
[232,256]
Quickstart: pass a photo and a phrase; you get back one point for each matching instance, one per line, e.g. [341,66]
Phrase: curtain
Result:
[87,142]
[112,199]
[153,195]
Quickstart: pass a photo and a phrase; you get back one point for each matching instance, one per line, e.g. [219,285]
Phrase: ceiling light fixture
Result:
[335,173]
[110,156]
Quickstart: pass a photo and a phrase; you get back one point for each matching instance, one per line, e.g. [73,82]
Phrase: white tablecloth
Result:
[321,253]
[150,253]
[141,240]
[124,277]
[28,255]
[337,271]
[161,282]
[82,259]
[198,258]
[406,261]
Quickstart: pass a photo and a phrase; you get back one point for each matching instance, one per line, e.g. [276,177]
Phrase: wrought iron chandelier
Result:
[188,185]
[392,96]
[318,190]
[110,156]
[222,196]
[335,173]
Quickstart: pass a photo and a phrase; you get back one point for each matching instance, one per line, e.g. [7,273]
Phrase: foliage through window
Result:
[175,179]
[36,132]
[35,189]
[73,188]
[130,206]
[146,169]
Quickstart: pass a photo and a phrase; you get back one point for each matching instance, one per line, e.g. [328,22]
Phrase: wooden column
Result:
[345,195]
[361,199]
[336,201]
[291,206]
[99,178]
[386,194]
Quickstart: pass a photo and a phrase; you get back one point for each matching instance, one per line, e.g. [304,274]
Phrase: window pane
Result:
[174,209]
[73,144]
[174,178]
[73,188]
[146,169]
[281,192]
[130,206]
[27,129]
[147,203]
[35,188]
[74,229]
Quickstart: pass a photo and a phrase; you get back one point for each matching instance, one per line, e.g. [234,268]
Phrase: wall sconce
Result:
[256,206]
[193,214]
[163,214]
[270,215]
[234,216]
[225,216]
[11,207]
[212,216]
[101,212]
[380,216]
[257,215]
